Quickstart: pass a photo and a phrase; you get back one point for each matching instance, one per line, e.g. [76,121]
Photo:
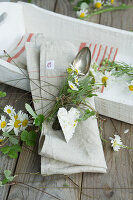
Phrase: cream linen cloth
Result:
[84,151]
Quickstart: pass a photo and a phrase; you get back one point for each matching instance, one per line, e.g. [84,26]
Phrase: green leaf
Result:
[2,94]
[1,183]
[10,178]
[5,134]
[87,114]
[4,181]
[29,137]
[13,140]
[16,148]
[24,135]
[11,151]
[39,120]
[7,173]
[30,110]
[13,154]
[5,149]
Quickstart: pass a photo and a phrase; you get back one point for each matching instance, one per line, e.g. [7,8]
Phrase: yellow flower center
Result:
[1,140]
[112,1]
[104,79]
[15,117]
[3,124]
[9,111]
[115,143]
[82,15]
[76,70]
[24,123]
[130,87]
[17,123]
[76,80]
[98,5]
[71,86]
[69,70]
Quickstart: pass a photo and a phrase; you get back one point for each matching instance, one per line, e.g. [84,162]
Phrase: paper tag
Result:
[50,64]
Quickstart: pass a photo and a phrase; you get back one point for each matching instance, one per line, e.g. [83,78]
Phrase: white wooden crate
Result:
[57,26]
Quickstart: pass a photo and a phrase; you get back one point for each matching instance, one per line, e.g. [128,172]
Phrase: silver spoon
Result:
[82,60]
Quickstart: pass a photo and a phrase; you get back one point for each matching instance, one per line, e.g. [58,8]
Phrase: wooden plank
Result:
[107,193]
[6,163]
[47,4]
[50,186]
[120,166]
[119,19]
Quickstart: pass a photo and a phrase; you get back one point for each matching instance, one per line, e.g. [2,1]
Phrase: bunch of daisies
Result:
[85,7]
[13,121]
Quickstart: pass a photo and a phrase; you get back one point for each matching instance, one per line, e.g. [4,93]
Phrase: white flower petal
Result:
[126,131]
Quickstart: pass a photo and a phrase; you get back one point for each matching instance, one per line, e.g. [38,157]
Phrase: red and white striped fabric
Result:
[18,54]
[99,52]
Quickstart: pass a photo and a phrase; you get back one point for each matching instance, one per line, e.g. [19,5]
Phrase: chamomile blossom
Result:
[98,3]
[116,143]
[25,121]
[72,86]
[3,123]
[76,68]
[2,138]
[84,6]
[15,125]
[130,86]
[76,80]
[106,78]
[126,131]
[82,13]
[9,110]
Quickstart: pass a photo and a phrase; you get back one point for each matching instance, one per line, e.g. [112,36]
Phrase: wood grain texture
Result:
[117,183]
[122,19]
[46,4]
[13,94]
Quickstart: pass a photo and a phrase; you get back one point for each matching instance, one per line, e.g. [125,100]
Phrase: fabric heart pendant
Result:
[68,121]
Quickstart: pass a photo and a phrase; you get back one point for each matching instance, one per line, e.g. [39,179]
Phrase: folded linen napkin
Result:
[84,151]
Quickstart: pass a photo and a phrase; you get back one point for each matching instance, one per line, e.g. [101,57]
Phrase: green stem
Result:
[121,7]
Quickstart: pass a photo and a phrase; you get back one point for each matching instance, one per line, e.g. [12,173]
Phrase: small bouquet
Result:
[88,8]
[13,127]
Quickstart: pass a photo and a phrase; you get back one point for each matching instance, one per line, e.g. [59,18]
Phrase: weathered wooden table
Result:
[117,184]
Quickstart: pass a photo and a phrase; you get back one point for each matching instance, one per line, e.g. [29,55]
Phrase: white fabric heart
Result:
[68,121]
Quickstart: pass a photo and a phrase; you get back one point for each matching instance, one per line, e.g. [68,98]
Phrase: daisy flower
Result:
[9,110]
[82,13]
[25,121]
[15,125]
[3,123]
[98,3]
[126,131]
[130,86]
[72,86]
[84,6]
[106,79]
[116,143]
[2,138]
[76,80]
[76,68]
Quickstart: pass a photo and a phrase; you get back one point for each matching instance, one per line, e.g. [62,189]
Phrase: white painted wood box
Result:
[56,26]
